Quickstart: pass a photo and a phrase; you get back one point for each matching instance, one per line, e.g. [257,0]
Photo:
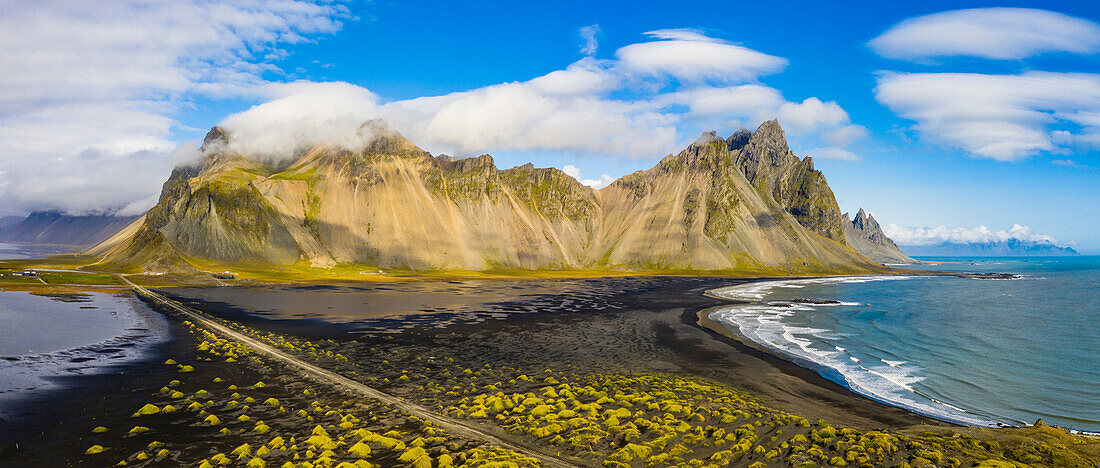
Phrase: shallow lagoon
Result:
[45,337]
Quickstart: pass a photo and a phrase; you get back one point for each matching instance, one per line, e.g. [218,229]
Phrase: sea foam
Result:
[764,322]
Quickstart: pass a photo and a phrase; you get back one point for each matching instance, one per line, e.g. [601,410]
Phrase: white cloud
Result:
[597,184]
[519,117]
[650,100]
[302,115]
[832,152]
[811,114]
[846,135]
[995,33]
[978,235]
[585,76]
[1003,117]
[1069,163]
[588,35]
[691,56]
[625,107]
[600,183]
[751,101]
[89,89]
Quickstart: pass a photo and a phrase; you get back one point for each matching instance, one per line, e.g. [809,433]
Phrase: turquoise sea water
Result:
[975,351]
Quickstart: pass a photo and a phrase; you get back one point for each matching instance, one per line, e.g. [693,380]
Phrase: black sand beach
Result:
[593,325]
[569,330]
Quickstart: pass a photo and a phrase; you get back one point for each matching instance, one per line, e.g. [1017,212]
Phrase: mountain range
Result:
[56,228]
[1005,248]
[744,203]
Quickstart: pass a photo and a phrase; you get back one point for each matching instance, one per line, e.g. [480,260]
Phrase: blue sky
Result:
[904,171]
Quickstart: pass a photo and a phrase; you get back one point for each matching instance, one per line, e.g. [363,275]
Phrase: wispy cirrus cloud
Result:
[993,33]
[1068,163]
[588,35]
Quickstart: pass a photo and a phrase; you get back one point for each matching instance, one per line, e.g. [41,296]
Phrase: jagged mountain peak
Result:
[738,139]
[706,138]
[865,235]
[866,222]
[465,164]
[768,146]
[215,140]
[379,138]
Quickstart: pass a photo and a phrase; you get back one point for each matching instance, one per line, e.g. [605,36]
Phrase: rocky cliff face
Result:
[864,234]
[769,164]
[744,203]
[699,210]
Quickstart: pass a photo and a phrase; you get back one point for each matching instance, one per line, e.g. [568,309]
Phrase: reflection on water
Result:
[72,334]
[19,251]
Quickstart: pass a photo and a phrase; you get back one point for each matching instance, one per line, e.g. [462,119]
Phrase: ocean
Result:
[972,351]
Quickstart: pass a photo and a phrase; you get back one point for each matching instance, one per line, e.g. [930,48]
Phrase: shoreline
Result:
[634,326]
[29,373]
[667,311]
[962,420]
[820,368]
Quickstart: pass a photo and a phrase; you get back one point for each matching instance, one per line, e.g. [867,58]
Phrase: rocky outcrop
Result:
[770,166]
[864,234]
[698,210]
[393,205]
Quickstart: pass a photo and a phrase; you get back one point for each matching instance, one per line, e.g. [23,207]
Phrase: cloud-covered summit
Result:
[644,101]
[90,90]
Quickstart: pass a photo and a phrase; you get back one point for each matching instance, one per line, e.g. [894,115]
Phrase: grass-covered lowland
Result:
[87,270]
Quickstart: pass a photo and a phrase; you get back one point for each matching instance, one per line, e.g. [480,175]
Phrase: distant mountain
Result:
[52,227]
[744,203]
[1007,248]
[6,221]
[864,234]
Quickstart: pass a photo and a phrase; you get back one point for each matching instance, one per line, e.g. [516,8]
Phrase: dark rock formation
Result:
[864,234]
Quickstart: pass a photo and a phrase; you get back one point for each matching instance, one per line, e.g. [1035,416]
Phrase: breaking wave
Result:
[885,378]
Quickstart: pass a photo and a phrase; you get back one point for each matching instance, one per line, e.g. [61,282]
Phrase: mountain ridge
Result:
[1006,248]
[56,228]
[394,205]
[865,235]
